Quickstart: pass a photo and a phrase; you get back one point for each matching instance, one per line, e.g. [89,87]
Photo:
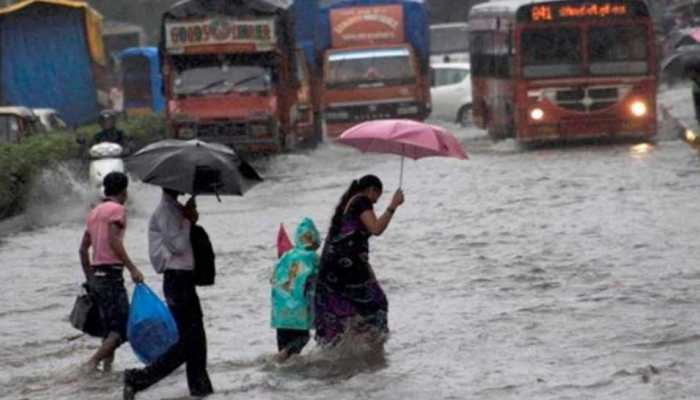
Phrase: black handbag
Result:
[204,257]
[85,315]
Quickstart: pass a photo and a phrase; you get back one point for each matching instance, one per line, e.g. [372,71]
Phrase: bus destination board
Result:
[567,11]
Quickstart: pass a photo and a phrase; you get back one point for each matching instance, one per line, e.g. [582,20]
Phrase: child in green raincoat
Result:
[293,284]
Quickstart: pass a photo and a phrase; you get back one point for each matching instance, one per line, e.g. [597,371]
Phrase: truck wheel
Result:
[464,116]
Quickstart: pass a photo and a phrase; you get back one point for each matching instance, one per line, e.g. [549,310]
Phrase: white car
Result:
[50,119]
[451,92]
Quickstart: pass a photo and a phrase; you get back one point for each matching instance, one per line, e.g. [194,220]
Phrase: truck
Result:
[52,56]
[238,72]
[375,57]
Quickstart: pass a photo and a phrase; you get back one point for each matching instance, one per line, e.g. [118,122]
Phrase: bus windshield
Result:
[616,50]
[552,52]
[374,66]
[555,52]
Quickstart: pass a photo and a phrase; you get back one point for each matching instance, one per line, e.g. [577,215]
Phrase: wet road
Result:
[560,273]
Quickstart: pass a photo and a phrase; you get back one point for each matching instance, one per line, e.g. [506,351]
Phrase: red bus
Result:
[559,70]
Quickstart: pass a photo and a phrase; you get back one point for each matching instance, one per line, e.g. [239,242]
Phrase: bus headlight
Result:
[690,136]
[537,114]
[639,108]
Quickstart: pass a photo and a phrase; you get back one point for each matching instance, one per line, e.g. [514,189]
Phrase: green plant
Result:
[20,163]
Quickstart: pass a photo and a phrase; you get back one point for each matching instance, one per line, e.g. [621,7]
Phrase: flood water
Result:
[556,273]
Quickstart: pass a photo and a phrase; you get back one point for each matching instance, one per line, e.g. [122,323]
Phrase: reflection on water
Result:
[542,274]
[641,150]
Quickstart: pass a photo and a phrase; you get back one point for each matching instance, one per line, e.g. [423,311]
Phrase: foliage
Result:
[142,129]
[21,163]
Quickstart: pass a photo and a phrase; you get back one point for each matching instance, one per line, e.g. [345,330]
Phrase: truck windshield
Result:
[373,66]
[551,52]
[616,50]
[221,77]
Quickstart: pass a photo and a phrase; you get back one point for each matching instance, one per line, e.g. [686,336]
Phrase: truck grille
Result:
[228,129]
[368,112]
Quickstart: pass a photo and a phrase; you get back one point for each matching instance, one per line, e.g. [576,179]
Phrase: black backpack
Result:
[204,257]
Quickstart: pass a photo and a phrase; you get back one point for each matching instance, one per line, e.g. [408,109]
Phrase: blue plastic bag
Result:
[151,329]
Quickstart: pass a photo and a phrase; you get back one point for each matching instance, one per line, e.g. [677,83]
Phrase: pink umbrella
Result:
[404,137]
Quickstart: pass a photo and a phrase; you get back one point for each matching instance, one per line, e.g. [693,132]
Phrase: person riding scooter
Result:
[107,151]
[109,132]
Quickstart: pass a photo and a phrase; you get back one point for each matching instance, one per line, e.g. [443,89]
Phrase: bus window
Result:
[616,50]
[551,52]
[482,59]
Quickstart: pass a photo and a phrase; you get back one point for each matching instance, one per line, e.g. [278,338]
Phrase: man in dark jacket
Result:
[109,132]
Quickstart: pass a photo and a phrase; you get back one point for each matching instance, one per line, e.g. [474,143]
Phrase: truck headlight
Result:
[639,108]
[537,114]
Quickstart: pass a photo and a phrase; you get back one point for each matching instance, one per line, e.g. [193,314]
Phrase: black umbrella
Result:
[193,167]
[675,65]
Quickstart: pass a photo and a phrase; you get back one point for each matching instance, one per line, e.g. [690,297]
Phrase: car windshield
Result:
[616,50]
[9,128]
[448,76]
[375,66]
[552,52]
[207,75]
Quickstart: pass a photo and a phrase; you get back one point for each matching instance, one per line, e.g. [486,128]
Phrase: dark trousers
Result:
[292,340]
[182,299]
[696,103]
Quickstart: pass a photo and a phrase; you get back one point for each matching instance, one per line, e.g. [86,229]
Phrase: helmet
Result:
[105,116]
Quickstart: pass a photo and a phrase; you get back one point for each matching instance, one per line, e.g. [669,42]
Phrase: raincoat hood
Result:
[307,236]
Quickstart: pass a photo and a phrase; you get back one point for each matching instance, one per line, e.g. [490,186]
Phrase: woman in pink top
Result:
[106,225]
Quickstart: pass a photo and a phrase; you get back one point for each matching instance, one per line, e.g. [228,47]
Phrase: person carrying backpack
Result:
[171,253]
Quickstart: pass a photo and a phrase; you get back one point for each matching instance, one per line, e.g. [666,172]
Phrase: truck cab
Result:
[371,83]
[236,77]
[375,60]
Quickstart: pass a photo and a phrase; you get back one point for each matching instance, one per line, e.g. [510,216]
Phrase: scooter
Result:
[104,158]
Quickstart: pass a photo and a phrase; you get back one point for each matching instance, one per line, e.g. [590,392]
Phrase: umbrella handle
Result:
[401,175]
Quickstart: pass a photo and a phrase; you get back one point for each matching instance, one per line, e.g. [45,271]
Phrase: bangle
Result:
[391,210]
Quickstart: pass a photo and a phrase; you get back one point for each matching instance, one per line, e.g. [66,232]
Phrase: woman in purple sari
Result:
[348,297]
